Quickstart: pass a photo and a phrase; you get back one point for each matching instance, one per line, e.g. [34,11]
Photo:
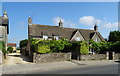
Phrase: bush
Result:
[10,49]
[23,43]
[84,48]
[50,46]
[96,46]
[104,46]
[80,46]
[3,47]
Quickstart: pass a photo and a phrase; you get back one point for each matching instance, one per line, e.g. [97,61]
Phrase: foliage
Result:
[10,49]
[23,43]
[84,48]
[59,45]
[104,46]
[114,36]
[94,45]
[80,46]
[44,48]
[47,46]
[116,47]
[1,45]
[3,48]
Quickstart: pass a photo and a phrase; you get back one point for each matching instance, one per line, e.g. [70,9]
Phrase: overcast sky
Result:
[81,15]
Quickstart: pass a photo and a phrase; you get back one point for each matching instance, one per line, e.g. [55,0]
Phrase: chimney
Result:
[96,27]
[60,24]
[29,20]
[5,14]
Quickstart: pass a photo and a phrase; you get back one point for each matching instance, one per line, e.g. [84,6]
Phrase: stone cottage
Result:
[48,32]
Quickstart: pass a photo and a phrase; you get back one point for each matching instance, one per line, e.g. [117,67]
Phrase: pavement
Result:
[17,65]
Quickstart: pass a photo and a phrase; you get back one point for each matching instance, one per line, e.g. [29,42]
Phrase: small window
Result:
[96,39]
[56,37]
[45,37]
[77,39]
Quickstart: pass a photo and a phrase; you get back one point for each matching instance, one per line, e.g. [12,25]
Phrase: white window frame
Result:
[56,37]
[45,37]
[77,39]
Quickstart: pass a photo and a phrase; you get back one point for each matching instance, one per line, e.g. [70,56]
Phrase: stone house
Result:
[13,45]
[4,30]
[47,32]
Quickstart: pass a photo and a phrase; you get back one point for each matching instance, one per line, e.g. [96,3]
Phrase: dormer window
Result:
[45,37]
[56,37]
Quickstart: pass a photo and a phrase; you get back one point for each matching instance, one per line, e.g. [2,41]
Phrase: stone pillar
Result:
[107,55]
[113,55]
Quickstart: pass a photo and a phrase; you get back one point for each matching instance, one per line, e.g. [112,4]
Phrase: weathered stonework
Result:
[51,57]
[93,57]
[117,56]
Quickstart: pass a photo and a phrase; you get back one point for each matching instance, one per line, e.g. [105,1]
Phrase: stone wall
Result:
[93,57]
[51,57]
[117,56]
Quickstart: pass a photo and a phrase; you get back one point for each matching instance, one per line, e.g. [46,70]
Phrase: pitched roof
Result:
[36,30]
[11,44]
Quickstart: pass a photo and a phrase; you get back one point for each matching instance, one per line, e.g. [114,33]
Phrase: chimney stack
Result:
[96,27]
[29,20]
[60,24]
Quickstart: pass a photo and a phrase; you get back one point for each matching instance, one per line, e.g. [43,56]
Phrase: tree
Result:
[10,49]
[114,36]
[23,43]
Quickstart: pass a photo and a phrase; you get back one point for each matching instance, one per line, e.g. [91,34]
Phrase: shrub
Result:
[10,49]
[23,43]
[104,46]
[80,46]
[43,48]
[84,48]
[96,46]
[47,46]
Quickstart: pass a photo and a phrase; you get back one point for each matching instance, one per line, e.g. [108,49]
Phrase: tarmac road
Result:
[65,67]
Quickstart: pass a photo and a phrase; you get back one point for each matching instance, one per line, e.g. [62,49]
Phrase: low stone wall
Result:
[51,57]
[93,57]
[117,56]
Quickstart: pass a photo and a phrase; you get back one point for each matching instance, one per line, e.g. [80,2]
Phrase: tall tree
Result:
[114,36]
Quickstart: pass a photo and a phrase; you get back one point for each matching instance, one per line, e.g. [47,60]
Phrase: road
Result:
[65,67]
[107,69]
[18,64]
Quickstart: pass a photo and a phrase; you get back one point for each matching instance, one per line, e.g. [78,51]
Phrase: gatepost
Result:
[113,55]
[107,55]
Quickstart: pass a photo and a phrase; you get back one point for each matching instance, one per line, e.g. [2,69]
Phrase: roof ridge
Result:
[61,27]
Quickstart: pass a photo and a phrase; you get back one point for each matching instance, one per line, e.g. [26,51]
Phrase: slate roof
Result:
[37,30]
